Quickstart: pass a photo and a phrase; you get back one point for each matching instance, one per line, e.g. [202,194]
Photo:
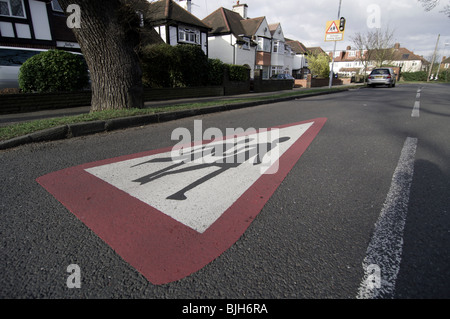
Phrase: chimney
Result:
[187,5]
[349,48]
[397,46]
[241,9]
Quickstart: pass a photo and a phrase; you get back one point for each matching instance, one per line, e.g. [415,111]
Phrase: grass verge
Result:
[20,129]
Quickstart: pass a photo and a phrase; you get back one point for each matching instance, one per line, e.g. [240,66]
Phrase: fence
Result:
[27,102]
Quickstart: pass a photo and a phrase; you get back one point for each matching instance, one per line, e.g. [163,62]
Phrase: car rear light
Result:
[388,76]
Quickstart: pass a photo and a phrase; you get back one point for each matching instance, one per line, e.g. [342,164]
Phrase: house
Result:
[237,39]
[176,25]
[300,62]
[350,62]
[39,24]
[232,39]
[407,60]
[445,64]
[315,50]
[282,57]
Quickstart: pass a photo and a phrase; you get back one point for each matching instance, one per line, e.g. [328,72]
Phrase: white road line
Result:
[415,111]
[416,108]
[382,262]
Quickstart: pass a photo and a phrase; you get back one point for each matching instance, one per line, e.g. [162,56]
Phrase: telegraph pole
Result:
[432,60]
[334,50]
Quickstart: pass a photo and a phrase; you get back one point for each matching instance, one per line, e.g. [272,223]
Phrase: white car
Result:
[382,76]
[11,59]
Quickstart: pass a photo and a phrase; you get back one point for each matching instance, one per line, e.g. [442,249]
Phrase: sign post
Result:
[335,32]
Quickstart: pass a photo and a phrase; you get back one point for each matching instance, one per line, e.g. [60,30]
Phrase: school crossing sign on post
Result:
[335,30]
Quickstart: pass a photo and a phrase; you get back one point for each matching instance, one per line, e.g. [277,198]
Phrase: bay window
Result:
[188,35]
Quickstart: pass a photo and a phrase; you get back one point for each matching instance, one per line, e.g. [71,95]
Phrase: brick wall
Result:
[27,102]
[152,94]
[309,82]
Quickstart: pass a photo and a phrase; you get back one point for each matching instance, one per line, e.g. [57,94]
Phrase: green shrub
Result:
[444,76]
[159,66]
[54,71]
[193,64]
[216,69]
[414,76]
[238,73]
[164,65]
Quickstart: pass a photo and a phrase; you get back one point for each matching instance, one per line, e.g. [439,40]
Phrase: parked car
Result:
[282,76]
[382,76]
[11,59]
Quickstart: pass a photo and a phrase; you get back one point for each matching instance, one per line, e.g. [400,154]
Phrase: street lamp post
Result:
[432,60]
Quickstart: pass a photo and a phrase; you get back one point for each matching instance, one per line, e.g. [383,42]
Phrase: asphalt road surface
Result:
[374,181]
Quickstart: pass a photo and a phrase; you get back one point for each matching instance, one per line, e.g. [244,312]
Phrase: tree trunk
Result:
[109,39]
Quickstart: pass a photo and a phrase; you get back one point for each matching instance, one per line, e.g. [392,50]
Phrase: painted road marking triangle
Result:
[169,218]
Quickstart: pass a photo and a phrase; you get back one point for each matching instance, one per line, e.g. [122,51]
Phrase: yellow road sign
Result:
[332,32]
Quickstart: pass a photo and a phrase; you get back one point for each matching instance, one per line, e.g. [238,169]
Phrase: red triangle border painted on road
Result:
[159,247]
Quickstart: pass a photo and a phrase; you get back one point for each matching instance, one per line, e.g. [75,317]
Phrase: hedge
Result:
[414,76]
[238,73]
[54,71]
[164,66]
[422,76]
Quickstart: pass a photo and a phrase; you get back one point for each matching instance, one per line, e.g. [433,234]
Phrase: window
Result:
[264,44]
[246,45]
[352,53]
[277,70]
[16,57]
[12,8]
[287,49]
[56,6]
[188,35]
[276,45]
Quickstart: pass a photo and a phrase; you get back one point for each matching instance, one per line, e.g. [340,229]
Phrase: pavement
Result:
[93,127]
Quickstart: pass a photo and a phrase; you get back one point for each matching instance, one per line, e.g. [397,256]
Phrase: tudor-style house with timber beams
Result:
[39,24]
[176,25]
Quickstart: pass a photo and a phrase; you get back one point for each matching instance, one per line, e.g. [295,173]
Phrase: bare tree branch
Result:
[429,5]
[375,46]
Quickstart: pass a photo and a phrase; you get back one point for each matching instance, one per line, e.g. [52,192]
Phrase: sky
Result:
[413,27]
